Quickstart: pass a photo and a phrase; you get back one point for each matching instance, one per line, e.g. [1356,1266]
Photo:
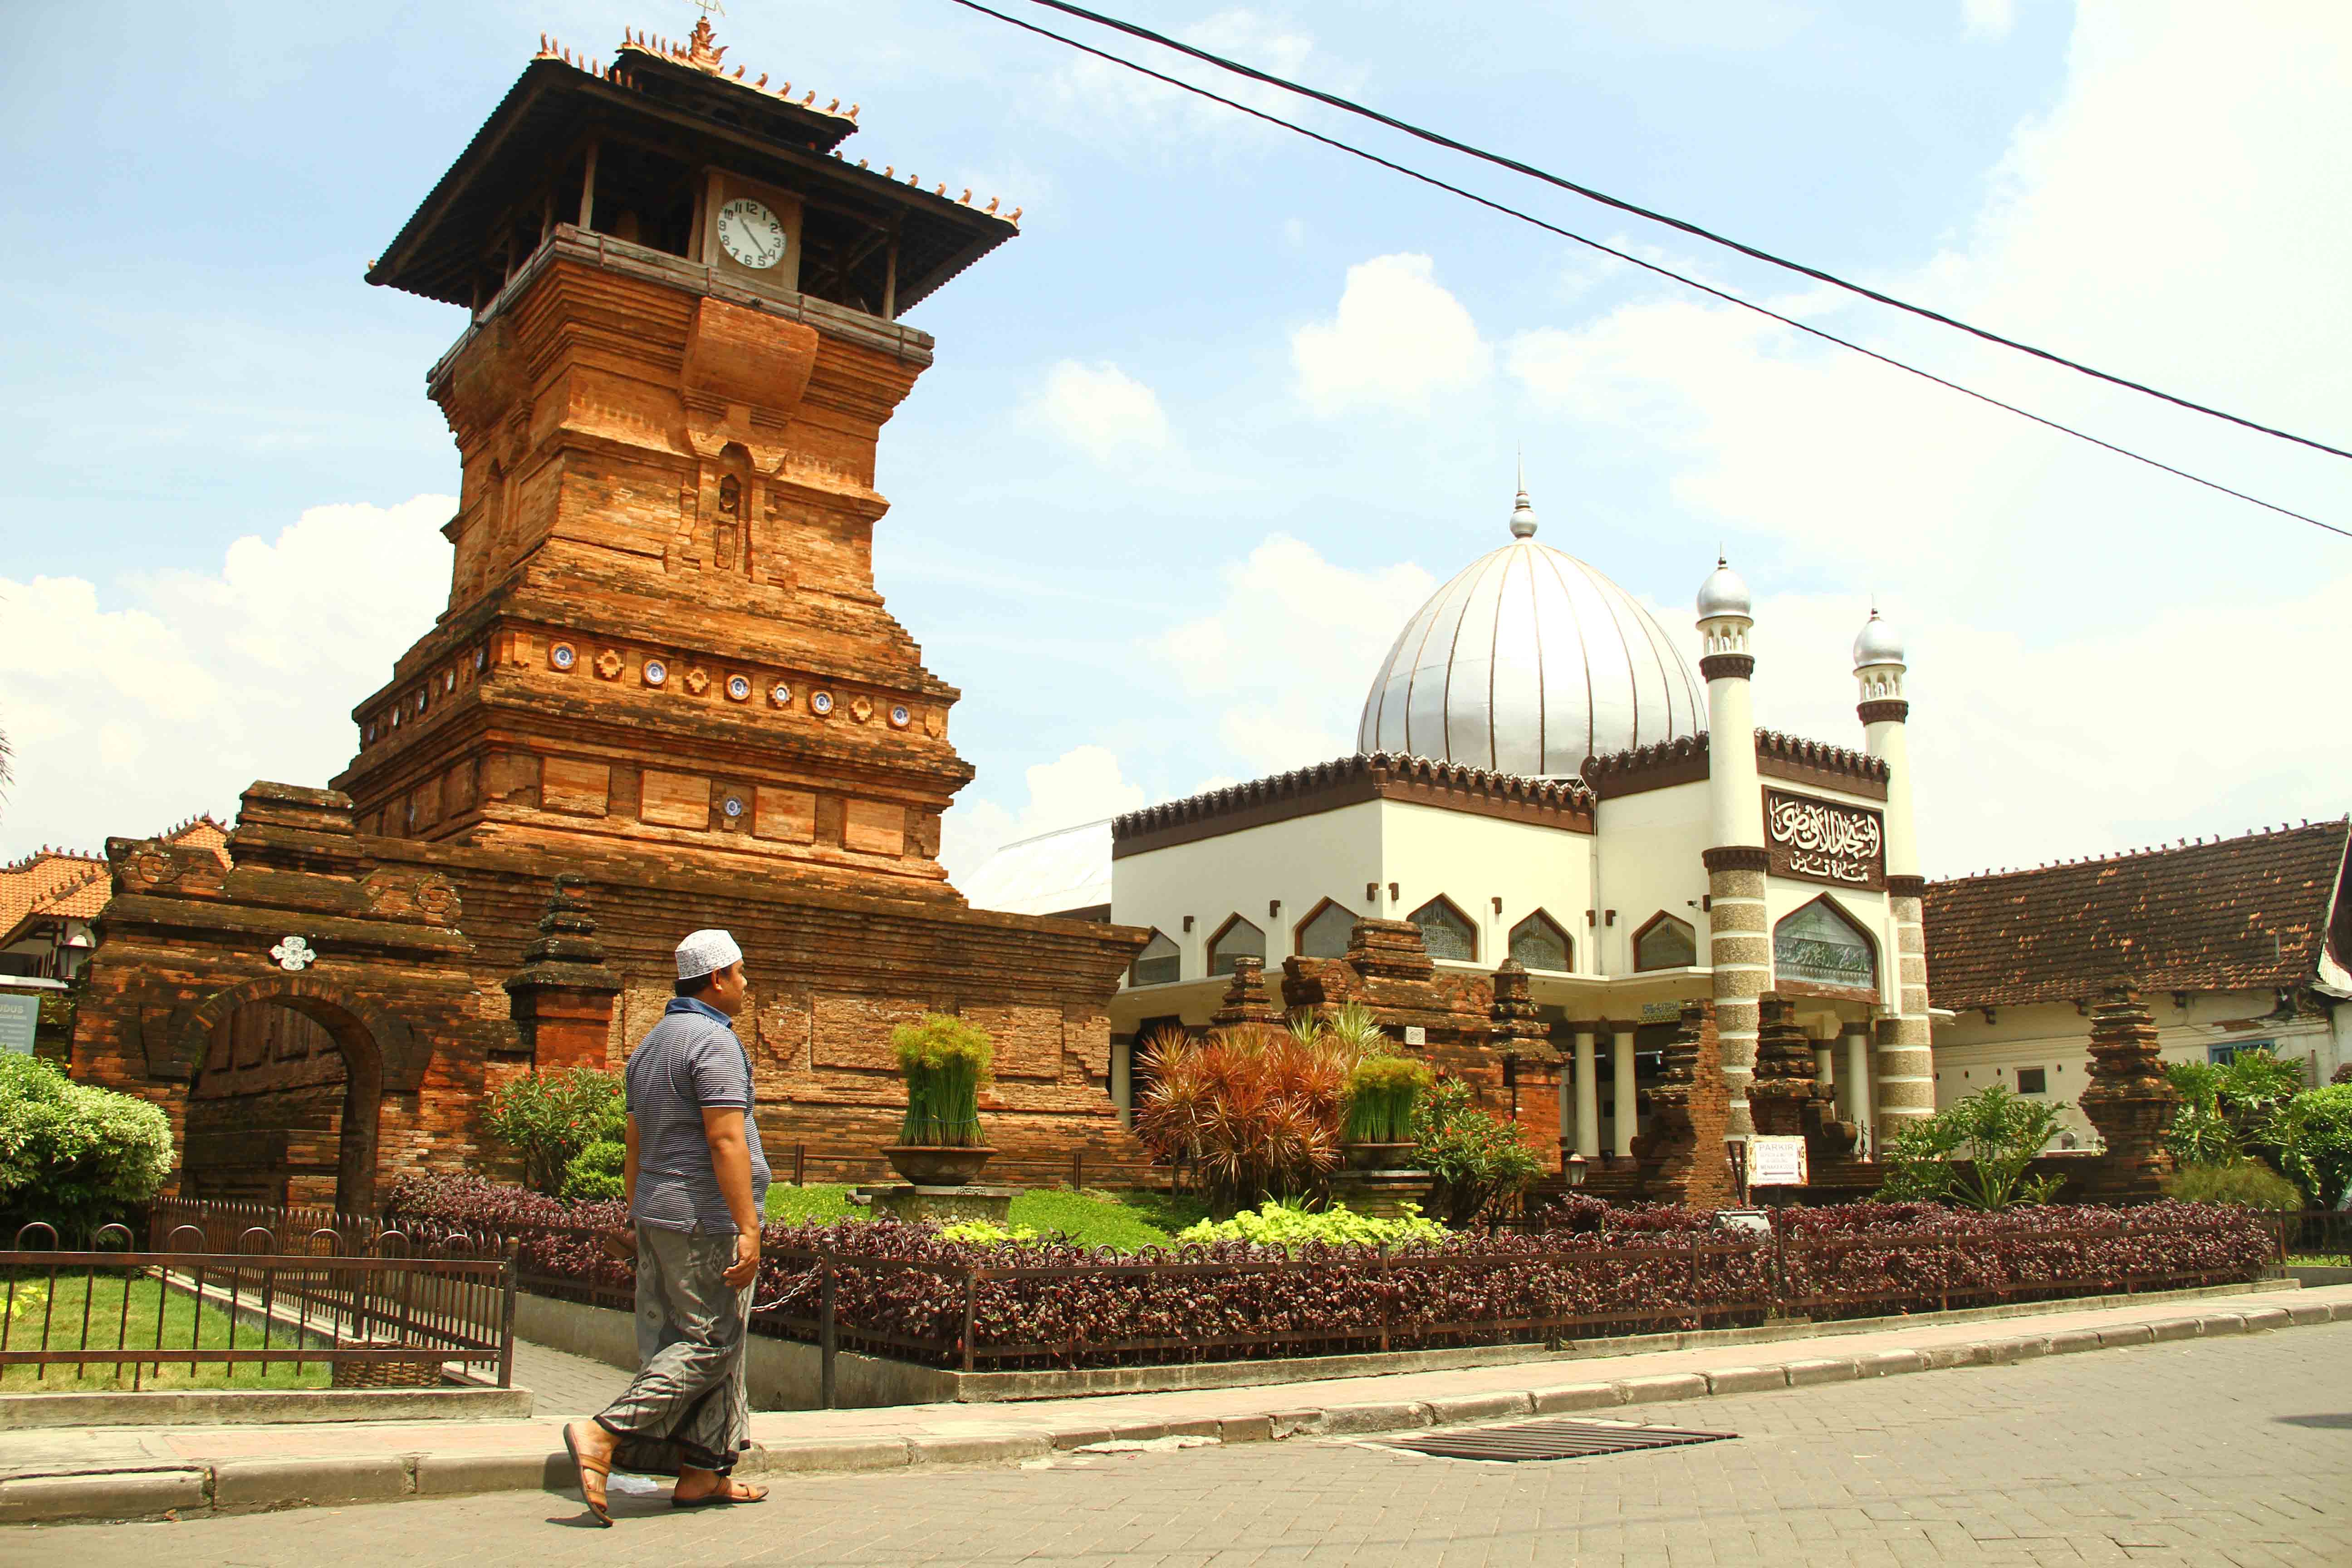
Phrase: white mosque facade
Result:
[1538,778]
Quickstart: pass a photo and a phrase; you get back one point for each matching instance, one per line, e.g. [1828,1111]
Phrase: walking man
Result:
[695,1182]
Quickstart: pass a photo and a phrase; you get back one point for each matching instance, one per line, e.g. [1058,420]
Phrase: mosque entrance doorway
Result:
[284,1110]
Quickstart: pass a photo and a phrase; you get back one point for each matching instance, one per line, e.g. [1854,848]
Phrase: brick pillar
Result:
[1784,1071]
[1906,1065]
[561,997]
[1246,1001]
[1513,1030]
[1680,1150]
[2129,1100]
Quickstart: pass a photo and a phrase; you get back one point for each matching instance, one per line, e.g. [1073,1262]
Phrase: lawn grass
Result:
[1127,1221]
[181,1316]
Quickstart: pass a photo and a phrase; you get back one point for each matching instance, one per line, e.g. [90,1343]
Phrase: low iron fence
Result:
[390,1312]
[2319,1234]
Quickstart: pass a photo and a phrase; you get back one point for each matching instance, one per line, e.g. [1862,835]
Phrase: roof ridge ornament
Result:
[1523,514]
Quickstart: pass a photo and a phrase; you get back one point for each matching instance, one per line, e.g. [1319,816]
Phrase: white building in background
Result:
[1537,777]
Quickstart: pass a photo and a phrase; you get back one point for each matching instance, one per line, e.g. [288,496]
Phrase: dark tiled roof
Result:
[2235,914]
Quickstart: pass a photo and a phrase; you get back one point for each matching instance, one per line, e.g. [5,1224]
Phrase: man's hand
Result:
[746,1266]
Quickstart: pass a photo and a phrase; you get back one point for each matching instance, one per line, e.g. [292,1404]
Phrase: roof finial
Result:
[1523,516]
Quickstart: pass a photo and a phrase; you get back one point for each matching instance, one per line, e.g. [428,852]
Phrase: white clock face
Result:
[750,234]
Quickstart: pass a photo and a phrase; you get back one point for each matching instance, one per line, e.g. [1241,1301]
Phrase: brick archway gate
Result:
[367,959]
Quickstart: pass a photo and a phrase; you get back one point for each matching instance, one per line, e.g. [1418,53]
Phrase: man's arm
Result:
[629,1166]
[731,1163]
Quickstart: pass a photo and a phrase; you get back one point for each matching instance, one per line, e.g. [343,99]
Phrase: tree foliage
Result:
[2311,1133]
[73,1154]
[1974,1153]
[1254,1110]
[1476,1157]
[549,1118]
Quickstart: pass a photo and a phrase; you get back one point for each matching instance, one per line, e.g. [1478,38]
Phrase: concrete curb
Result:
[249,1485]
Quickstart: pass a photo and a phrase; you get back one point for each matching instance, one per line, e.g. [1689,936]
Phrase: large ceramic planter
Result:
[937,1165]
[1378,1156]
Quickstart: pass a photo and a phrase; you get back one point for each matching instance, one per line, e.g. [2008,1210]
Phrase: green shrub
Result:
[1381,1093]
[945,1060]
[2312,1134]
[2200,1135]
[986,1232]
[596,1173]
[76,1156]
[1974,1153]
[549,1118]
[1290,1228]
[1474,1157]
[2249,1183]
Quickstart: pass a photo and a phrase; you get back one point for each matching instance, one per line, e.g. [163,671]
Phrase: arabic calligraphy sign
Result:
[1824,841]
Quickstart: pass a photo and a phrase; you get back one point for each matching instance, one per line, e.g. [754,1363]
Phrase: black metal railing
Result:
[391,1312]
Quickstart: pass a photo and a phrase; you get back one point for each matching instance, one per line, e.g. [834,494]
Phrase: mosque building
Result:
[1537,787]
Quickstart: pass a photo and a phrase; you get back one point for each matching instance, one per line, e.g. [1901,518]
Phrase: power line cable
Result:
[1663,271]
[1439,139]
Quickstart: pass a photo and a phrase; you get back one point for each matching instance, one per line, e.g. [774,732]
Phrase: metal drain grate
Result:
[1551,1440]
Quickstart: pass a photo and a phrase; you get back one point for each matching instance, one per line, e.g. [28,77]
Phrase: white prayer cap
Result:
[706,953]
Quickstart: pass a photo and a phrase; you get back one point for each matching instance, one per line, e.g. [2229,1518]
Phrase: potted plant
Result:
[1382,1093]
[945,1061]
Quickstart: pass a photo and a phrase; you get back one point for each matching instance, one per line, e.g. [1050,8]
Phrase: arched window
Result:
[1537,943]
[1818,945]
[1236,938]
[1446,931]
[1160,962]
[1326,932]
[1665,943]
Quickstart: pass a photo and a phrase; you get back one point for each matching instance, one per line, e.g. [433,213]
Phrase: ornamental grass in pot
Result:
[1382,1094]
[944,1060]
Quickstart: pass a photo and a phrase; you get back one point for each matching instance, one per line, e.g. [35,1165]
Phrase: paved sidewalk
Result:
[128,1472]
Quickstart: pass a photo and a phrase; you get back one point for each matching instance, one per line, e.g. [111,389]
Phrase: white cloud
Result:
[170,694]
[2102,654]
[1082,784]
[1398,339]
[1988,19]
[1283,661]
[1101,410]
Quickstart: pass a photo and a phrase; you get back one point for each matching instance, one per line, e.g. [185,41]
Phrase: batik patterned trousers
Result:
[688,1405]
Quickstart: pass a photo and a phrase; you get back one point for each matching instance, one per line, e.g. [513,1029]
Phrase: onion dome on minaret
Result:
[1725,593]
[1529,662]
[1876,643]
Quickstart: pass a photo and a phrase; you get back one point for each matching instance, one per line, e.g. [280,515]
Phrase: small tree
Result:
[2201,1134]
[76,1156]
[1254,1110]
[549,1118]
[945,1060]
[1974,1153]
[2312,1134]
[1476,1158]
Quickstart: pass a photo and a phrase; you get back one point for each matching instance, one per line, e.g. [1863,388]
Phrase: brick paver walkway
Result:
[2225,1451]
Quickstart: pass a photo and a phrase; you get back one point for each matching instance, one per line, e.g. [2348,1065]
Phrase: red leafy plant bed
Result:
[901,1292]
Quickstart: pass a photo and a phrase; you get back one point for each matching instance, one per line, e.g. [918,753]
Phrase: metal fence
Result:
[389,1313]
[2312,1233]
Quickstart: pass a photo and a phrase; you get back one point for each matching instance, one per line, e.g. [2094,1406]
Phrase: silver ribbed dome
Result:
[1529,662]
[1725,593]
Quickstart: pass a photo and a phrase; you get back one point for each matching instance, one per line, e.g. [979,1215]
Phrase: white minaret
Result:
[1906,1071]
[1739,943]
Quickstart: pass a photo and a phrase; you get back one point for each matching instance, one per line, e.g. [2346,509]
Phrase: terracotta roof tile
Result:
[41,876]
[2237,914]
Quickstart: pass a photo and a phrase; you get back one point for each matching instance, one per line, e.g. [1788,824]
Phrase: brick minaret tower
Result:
[1739,942]
[663,636]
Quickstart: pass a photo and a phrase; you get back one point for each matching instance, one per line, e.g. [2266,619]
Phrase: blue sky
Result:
[1201,438]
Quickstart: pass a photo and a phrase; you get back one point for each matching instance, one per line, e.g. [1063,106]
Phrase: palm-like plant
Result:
[1254,1110]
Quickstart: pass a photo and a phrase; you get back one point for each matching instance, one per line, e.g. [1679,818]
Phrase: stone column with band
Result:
[1739,942]
[1620,1059]
[1587,1128]
[1906,1065]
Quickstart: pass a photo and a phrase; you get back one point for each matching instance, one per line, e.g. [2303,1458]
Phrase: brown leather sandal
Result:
[584,1467]
[728,1496]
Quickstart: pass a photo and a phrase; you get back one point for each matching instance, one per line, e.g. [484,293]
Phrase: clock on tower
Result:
[682,340]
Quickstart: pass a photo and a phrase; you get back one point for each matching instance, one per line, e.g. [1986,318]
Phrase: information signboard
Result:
[20,1016]
[1776,1162]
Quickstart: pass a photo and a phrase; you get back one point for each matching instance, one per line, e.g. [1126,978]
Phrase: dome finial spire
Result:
[1523,515]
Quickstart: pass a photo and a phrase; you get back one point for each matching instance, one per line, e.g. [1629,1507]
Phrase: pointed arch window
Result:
[1446,931]
[1538,943]
[1327,932]
[1236,938]
[1160,962]
[1665,943]
[1821,945]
